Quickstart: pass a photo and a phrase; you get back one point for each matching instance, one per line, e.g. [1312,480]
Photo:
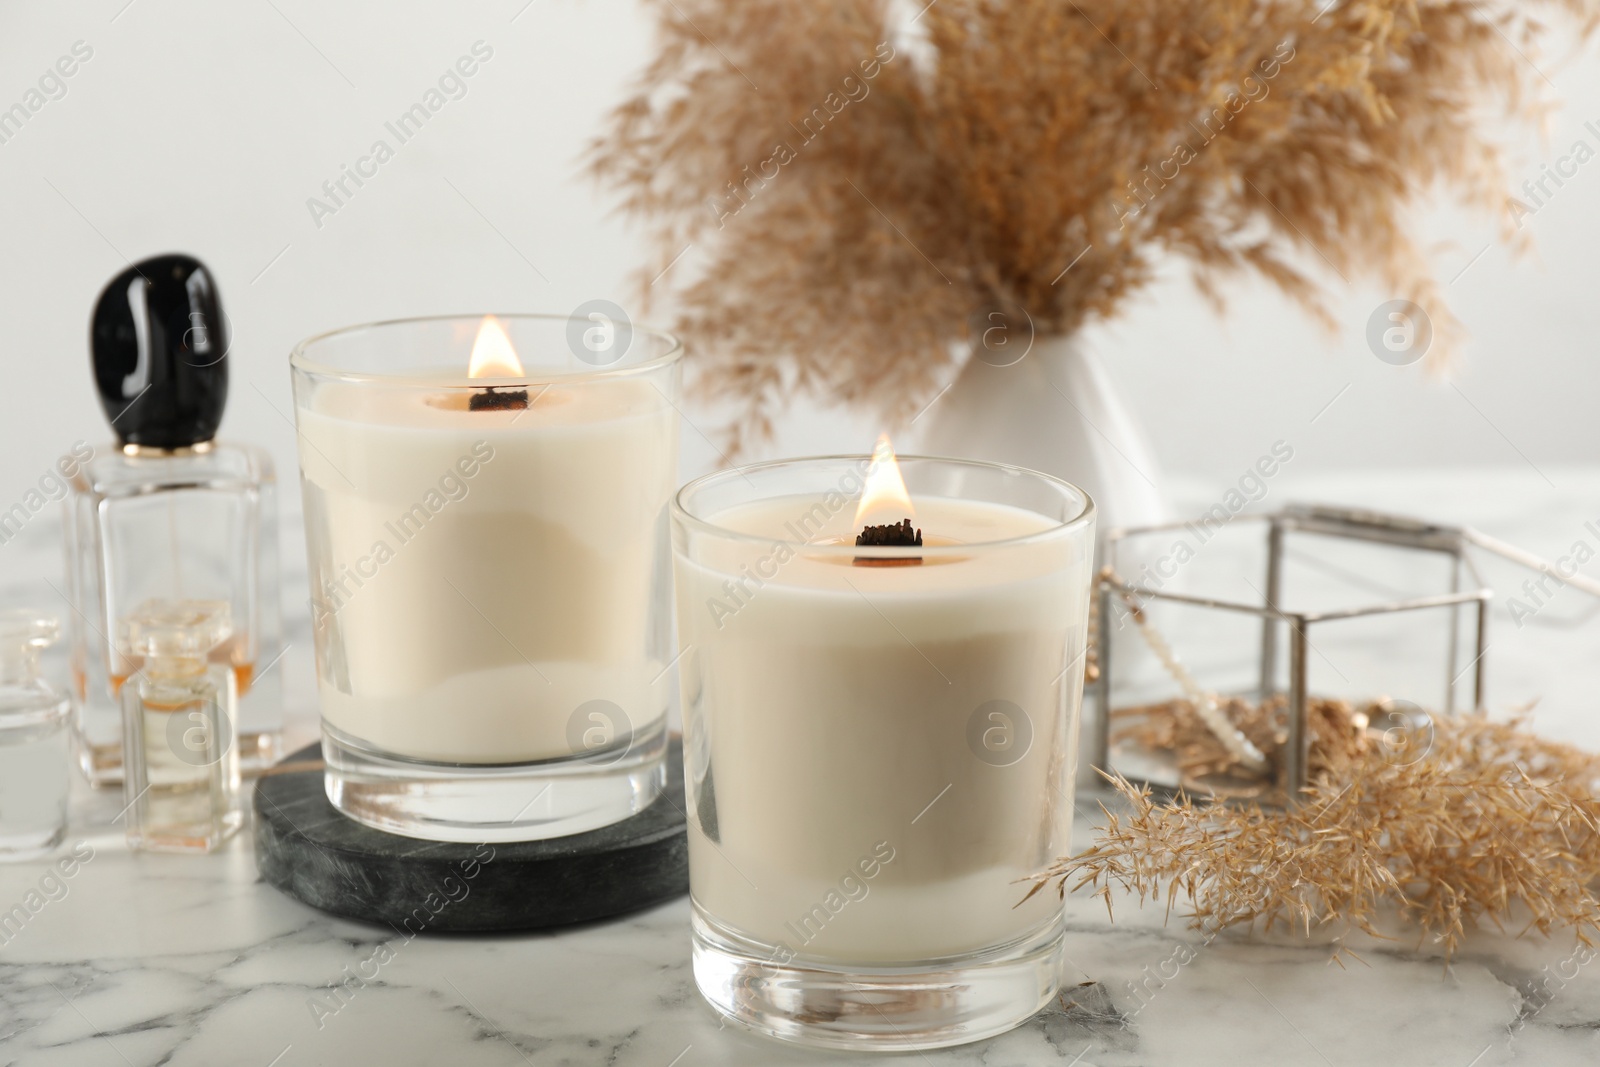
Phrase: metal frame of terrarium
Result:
[1353,524]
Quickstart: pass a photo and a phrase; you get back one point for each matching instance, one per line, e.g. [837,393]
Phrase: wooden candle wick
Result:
[491,400]
[892,535]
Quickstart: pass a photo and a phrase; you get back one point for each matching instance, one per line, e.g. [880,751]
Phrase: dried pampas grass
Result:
[859,180]
[1342,736]
[1491,824]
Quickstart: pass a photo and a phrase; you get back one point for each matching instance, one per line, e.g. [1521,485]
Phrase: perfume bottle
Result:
[170,512]
[181,767]
[35,758]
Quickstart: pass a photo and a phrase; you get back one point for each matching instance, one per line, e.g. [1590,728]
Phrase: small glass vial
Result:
[35,759]
[169,512]
[181,765]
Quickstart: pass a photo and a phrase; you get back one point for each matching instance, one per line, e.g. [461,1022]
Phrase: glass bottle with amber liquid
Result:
[181,768]
[170,512]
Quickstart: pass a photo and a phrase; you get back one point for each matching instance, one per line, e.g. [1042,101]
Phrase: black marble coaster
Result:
[306,848]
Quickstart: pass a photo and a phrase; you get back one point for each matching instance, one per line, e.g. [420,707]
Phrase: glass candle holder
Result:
[485,505]
[880,742]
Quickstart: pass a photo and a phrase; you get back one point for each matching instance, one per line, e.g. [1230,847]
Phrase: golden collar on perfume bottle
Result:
[199,448]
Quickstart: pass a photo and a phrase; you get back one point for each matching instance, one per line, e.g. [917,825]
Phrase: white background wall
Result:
[205,128]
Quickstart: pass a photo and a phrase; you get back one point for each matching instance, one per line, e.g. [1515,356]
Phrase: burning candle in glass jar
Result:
[880,705]
[485,552]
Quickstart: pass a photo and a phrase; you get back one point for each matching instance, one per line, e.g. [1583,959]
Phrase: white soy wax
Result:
[486,574]
[886,750]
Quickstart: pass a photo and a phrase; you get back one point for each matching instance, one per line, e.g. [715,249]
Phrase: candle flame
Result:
[492,353]
[884,499]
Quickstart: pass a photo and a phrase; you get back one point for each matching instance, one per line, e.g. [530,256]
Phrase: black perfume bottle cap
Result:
[159,341]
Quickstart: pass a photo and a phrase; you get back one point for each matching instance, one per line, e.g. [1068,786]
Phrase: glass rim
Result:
[299,359]
[680,509]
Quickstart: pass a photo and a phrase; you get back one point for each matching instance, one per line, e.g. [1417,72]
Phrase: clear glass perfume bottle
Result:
[35,759]
[181,767]
[169,512]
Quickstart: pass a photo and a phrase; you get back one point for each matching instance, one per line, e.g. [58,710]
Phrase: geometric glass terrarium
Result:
[1221,640]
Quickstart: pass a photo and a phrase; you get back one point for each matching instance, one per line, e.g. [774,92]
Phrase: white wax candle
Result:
[836,703]
[487,573]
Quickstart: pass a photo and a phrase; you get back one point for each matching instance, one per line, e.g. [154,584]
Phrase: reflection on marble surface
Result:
[142,959]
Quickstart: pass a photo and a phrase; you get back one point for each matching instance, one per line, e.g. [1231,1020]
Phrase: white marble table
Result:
[139,959]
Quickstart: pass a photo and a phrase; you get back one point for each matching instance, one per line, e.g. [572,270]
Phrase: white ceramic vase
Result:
[1055,410]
